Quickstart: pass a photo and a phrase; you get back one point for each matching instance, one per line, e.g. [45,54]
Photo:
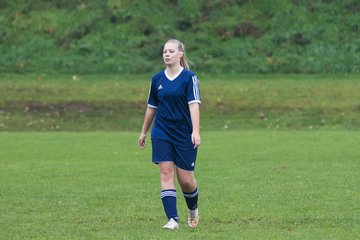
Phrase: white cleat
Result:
[172,224]
[193,218]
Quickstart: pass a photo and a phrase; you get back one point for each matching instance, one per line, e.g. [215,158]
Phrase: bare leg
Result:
[186,180]
[167,175]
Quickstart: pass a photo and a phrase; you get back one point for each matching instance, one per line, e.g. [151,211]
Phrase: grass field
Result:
[231,102]
[260,184]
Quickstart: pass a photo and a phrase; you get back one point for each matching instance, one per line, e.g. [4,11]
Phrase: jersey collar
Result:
[173,78]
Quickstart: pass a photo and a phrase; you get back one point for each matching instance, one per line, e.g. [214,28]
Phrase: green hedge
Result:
[124,36]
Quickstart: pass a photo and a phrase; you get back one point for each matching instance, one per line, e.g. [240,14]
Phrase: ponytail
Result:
[184,62]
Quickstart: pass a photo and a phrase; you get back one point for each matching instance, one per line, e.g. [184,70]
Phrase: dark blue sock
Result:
[192,199]
[168,198]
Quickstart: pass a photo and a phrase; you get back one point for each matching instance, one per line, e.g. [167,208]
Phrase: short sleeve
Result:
[193,91]
[152,98]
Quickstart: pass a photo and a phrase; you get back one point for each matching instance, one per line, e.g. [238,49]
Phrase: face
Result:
[171,53]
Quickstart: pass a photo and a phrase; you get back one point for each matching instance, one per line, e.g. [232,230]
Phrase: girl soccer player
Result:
[173,101]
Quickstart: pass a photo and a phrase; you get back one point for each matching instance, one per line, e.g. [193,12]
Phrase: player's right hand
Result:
[142,141]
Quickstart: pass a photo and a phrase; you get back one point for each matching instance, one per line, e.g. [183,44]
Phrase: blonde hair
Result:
[183,61]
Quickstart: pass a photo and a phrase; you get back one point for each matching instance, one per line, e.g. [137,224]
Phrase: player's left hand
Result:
[195,139]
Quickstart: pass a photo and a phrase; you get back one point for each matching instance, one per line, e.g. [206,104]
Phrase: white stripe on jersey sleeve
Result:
[196,88]
[152,106]
[149,92]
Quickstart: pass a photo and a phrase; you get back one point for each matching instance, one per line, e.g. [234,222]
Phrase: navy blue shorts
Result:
[184,157]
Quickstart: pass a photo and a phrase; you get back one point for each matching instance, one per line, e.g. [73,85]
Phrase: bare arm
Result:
[195,120]
[149,117]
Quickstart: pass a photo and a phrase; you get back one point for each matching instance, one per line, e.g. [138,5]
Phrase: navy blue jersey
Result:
[171,98]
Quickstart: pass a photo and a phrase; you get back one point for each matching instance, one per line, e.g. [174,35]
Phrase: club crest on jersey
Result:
[160,87]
